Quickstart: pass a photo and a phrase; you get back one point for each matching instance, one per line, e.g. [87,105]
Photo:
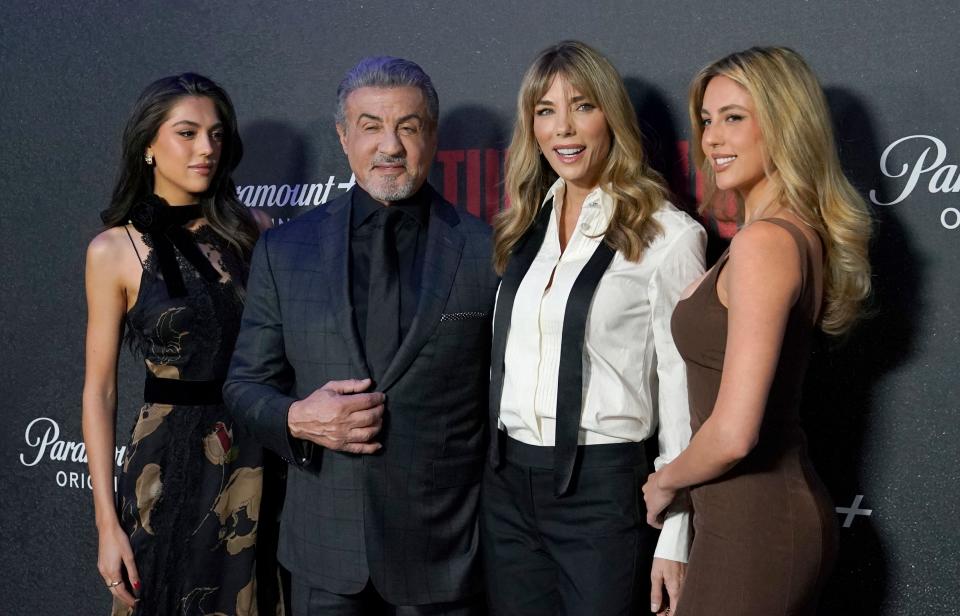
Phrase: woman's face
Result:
[186,150]
[731,136]
[572,133]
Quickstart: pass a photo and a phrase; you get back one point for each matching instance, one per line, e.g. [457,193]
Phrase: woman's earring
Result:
[148,158]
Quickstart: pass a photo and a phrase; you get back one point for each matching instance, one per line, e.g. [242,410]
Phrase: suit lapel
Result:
[440,265]
[335,259]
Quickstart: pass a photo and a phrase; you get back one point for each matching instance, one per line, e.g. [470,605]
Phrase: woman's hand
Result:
[657,499]
[666,574]
[114,555]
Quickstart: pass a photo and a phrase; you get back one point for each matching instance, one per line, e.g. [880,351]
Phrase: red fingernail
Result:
[136,585]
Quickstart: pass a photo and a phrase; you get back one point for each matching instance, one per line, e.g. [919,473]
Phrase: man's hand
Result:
[338,416]
[667,574]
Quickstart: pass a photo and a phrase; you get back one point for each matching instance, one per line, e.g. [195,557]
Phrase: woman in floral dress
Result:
[180,534]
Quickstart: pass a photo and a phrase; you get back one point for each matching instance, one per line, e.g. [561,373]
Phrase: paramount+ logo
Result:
[45,447]
[925,156]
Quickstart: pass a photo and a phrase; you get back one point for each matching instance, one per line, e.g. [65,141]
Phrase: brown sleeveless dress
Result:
[765,531]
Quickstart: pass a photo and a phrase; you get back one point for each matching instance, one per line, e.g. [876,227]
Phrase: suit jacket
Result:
[406,517]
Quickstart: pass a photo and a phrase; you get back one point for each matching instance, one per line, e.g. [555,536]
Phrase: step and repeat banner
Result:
[881,410]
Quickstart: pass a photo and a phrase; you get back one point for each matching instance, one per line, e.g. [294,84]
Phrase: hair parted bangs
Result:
[637,190]
[803,164]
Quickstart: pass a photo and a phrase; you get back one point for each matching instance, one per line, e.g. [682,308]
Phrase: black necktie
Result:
[383,301]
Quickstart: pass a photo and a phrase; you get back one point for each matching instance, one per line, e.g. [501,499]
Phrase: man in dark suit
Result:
[363,359]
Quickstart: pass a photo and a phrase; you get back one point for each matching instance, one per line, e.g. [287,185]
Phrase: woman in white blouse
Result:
[583,366]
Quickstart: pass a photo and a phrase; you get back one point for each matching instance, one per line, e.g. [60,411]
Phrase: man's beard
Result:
[391,189]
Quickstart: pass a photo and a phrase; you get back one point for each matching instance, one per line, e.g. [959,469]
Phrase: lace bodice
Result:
[189,337]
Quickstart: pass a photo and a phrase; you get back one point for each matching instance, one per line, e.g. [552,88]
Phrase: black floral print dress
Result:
[189,491]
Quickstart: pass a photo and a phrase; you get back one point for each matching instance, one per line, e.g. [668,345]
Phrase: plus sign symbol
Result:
[853,511]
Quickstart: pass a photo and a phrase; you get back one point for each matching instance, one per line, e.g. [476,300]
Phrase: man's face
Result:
[389,140]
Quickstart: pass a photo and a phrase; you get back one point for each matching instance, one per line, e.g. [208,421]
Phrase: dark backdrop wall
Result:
[881,411]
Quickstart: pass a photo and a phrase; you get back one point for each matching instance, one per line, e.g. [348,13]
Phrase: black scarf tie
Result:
[165,225]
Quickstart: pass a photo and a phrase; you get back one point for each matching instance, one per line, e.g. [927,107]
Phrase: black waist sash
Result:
[174,391]
[570,375]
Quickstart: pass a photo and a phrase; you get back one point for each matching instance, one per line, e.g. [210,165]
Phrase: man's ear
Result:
[342,133]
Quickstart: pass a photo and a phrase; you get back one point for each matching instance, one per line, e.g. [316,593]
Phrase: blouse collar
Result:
[597,211]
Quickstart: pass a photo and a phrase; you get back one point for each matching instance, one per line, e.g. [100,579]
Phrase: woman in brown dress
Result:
[765,530]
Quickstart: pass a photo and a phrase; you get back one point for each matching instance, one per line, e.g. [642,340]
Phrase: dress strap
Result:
[134,244]
[793,230]
[804,245]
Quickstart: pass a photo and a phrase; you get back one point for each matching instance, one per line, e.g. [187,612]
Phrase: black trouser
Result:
[309,601]
[586,553]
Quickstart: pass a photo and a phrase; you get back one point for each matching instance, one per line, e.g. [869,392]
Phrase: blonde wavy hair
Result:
[792,113]
[637,190]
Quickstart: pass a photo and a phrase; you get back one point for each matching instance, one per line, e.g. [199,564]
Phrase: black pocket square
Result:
[462,316]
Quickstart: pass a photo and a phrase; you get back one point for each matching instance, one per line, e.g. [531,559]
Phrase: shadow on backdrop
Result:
[662,143]
[661,139]
[274,154]
[468,170]
[839,397]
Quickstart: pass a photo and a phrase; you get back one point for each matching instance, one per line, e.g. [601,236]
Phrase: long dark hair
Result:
[223,211]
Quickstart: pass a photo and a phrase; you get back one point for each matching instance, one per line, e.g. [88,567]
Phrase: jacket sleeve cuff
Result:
[297,451]
[301,452]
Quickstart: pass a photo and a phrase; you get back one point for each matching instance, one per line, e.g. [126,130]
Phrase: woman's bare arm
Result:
[106,305]
[761,282]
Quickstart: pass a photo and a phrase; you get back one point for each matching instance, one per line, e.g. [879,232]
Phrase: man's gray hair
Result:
[386,72]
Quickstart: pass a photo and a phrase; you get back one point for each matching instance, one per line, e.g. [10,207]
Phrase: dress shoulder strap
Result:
[793,230]
[134,244]
[806,261]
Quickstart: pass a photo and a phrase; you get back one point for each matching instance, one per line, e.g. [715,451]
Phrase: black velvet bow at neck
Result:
[165,225]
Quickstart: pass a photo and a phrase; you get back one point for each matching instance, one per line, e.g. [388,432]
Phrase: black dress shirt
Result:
[411,242]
